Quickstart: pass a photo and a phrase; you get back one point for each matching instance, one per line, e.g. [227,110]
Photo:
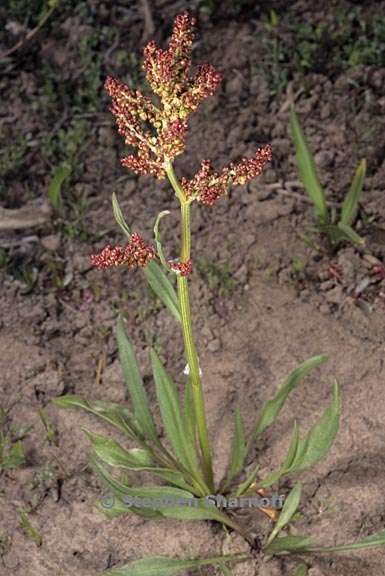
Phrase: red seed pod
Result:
[184,268]
[135,254]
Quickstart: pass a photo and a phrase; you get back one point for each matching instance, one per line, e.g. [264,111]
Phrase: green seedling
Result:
[336,227]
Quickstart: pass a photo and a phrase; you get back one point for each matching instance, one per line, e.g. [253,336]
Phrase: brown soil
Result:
[263,300]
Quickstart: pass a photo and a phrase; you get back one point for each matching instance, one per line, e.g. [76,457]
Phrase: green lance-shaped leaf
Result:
[123,493]
[135,384]
[288,544]
[153,273]
[111,452]
[307,168]
[54,194]
[350,205]
[170,409]
[164,566]
[112,507]
[118,215]
[162,287]
[377,539]
[320,437]
[287,464]
[172,477]
[114,414]
[198,510]
[288,510]
[238,448]
[272,407]
[245,485]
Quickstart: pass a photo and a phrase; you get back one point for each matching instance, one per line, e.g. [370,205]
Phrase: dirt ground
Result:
[263,298]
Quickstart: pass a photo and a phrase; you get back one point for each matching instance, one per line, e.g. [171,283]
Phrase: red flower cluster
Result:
[135,254]
[184,268]
[159,133]
[207,185]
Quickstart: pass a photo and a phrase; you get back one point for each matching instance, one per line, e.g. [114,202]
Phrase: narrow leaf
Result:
[114,414]
[272,408]
[163,566]
[288,544]
[157,238]
[320,437]
[135,384]
[242,488]
[239,448]
[171,477]
[350,205]
[162,287]
[113,507]
[159,496]
[168,399]
[377,539]
[201,511]
[286,466]
[307,169]
[118,215]
[288,510]
[112,453]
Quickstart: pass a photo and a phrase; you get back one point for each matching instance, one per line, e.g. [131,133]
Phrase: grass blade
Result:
[307,168]
[350,205]
[347,233]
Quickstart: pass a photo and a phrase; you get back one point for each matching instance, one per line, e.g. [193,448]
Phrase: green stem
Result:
[189,343]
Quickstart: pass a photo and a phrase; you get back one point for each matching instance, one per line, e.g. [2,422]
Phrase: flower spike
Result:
[207,185]
[159,133]
[135,254]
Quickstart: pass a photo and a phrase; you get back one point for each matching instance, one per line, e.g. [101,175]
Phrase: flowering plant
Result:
[156,129]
